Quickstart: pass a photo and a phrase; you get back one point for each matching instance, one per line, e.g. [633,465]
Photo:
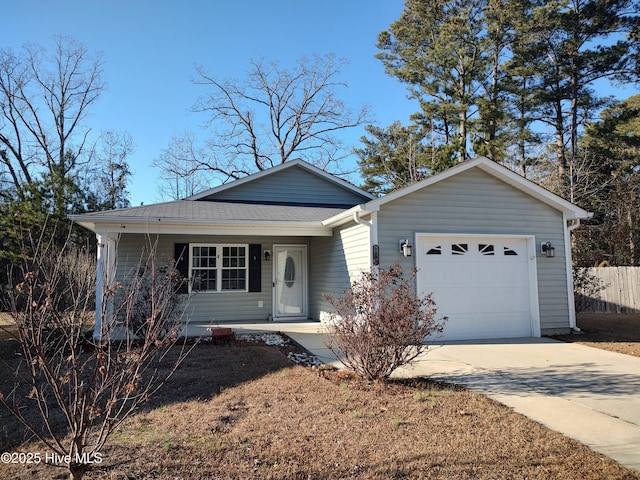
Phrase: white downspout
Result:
[373,232]
[570,226]
[357,219]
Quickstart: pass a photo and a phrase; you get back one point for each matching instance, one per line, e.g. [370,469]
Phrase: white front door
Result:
[290,281]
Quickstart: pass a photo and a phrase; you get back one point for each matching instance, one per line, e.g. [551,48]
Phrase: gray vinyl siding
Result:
[336,261]
[210,307]
[474,202]
[292,185]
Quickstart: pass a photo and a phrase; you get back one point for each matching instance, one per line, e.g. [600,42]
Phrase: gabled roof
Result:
[212,192]
[235,217]
[299,211]
[490,167]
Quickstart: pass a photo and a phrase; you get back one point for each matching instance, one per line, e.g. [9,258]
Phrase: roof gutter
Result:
[352,214]
[197,227]
[357,219]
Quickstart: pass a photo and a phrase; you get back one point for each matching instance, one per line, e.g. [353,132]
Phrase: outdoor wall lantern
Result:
[406,248]
[548,249]
[267,255]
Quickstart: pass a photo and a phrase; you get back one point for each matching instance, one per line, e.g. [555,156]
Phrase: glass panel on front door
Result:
[290,285]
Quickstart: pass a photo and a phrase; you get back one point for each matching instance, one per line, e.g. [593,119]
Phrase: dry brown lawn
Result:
[615,332]
[246,411]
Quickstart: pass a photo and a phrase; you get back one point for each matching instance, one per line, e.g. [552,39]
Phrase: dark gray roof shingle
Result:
[187,210]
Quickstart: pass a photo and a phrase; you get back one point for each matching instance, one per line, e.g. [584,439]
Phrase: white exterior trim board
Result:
[240,227]
[569,269]
[347,216]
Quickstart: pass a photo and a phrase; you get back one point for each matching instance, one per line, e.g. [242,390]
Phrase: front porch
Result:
[240,279]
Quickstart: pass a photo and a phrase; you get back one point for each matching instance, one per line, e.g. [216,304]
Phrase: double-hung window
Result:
[218,268]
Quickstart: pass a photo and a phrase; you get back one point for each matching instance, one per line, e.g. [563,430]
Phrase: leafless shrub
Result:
[152,296]
[587,289]
[84,387]
[380,324]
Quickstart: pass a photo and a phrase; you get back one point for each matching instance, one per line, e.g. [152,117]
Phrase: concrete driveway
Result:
[585,393]
[588,394]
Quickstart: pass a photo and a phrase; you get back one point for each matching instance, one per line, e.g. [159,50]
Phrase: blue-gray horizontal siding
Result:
[335,262]
[474,202]
[209,307]
[292,185]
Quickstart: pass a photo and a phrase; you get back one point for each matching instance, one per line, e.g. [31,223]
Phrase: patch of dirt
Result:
[247,412]
[6,320]
[614,332]
[9,347]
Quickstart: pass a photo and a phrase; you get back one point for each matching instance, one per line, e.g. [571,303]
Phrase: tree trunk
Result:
[77,471]
[463,135]
[561,157]
[632,246]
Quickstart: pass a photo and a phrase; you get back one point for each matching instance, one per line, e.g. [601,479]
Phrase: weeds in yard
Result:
[424,395]
[346,394]
[167,445]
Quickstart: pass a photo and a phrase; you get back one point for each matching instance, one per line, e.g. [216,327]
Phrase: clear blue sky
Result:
[150,48]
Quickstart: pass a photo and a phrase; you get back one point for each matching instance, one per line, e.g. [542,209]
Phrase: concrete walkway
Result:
[588,394]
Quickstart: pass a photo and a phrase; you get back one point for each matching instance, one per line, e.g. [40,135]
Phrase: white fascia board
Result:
[291,163]
[307,229]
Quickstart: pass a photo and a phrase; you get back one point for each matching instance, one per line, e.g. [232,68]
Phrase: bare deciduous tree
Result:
[181,173]
[275,114]
[83,388]
[44,98]
[109,172]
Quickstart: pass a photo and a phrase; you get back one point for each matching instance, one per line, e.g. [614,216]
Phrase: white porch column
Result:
[105,276]
[102,246]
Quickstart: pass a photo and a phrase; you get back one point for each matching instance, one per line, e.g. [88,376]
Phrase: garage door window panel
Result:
[486,249]
[509,252]
[459,248]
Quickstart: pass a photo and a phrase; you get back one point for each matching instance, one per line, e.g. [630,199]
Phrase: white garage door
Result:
[481,283]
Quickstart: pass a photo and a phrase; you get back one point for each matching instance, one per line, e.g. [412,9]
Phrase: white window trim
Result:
[219,249]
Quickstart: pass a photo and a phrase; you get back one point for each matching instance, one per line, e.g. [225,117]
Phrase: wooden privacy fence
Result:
[609,290]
